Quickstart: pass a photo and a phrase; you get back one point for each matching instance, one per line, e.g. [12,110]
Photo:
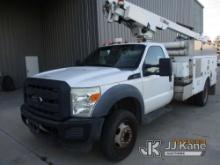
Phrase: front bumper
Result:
[74,129]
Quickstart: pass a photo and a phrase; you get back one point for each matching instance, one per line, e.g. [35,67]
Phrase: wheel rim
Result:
[123,135]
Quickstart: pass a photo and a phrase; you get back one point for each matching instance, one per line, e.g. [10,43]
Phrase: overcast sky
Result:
[211,17]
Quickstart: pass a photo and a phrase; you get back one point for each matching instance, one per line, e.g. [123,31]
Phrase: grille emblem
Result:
[37,99]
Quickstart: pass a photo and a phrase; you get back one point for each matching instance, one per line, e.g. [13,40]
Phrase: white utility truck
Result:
[120,86]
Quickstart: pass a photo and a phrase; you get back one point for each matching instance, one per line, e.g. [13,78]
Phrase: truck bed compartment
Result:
[193,64]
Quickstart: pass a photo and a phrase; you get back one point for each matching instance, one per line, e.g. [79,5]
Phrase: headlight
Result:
[84,100]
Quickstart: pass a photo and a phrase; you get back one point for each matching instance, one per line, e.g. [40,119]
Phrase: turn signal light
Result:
[94,97]
[121,2]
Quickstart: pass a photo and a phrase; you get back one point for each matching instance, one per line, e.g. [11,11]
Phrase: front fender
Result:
[115,94]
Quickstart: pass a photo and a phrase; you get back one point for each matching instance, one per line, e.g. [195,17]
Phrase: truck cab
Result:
[105,98]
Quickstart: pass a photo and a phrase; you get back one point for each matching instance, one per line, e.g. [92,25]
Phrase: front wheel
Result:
[119,135]
[201,99]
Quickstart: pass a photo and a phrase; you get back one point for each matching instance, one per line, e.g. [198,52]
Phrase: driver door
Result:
[158,91]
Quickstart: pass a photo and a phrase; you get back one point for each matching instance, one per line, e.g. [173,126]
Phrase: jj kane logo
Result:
[175,147]
[151,149]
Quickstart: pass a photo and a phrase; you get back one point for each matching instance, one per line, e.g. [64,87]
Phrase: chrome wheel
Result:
[123,135]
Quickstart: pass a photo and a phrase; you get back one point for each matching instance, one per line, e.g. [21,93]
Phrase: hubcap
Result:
[123,135]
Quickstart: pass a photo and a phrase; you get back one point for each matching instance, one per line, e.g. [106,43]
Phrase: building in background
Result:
[59,32]
[217,44]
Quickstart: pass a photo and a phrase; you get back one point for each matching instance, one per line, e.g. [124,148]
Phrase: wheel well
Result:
[208,80]
[130,104]
[212,89]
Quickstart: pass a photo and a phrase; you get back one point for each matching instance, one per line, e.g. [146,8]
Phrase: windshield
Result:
[117,56]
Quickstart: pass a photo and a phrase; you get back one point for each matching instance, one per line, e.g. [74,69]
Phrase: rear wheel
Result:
[201,99]
[119,135]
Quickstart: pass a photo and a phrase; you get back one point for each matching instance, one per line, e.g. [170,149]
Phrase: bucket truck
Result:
[120,86]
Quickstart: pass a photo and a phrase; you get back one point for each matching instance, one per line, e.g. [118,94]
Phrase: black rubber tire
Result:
[201,98]
[108,147]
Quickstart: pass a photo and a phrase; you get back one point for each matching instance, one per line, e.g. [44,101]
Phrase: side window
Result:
[154,54]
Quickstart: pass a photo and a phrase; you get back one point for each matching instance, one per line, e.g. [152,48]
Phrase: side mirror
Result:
[165,66]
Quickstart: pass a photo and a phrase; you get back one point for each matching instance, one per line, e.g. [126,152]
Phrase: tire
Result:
[201,99]
[119,135]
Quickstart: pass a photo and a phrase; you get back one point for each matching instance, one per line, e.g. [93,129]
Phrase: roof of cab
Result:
[141,43]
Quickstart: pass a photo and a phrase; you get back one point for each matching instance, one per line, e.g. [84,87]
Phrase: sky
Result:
[211,18]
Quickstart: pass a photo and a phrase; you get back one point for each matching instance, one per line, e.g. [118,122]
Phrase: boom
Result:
[141,22]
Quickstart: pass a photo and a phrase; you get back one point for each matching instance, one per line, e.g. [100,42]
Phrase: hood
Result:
[86,76]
